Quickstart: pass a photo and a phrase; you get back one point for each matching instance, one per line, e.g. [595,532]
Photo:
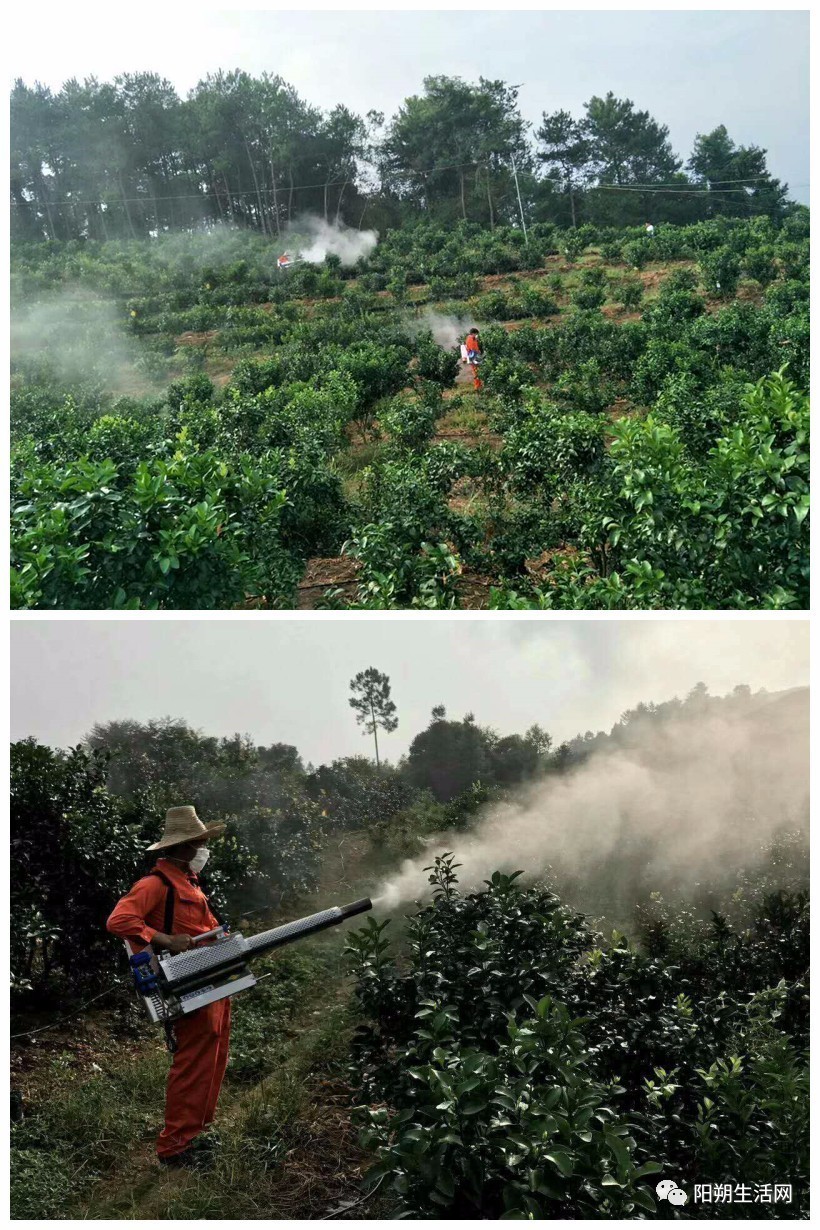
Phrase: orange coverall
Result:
[473,351]
[199,1063]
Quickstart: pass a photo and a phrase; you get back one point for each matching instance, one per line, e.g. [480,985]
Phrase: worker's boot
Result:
[188,1159]
[208,1142]
[198,1156]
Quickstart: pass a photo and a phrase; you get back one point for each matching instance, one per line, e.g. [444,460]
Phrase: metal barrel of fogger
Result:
[300,927]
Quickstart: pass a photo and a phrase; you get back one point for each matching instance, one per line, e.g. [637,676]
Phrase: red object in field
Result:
[198,1065]
[196,1074]
[141,912]
[473,348]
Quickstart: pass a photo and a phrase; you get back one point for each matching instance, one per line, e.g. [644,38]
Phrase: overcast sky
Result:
[287,680]
[692,70]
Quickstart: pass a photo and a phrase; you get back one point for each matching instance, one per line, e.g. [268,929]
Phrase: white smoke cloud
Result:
[448,331]
[314,239]
[688,801]
[80,335]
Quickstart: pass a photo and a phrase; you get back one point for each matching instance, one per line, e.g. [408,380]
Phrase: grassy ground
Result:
[93,1107]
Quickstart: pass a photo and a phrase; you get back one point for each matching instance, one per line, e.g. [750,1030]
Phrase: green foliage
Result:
[752,489]
[396,569]
[82,821]
[629,292]
[759,263]
[589,297]
[62,819]
[514,1066]
[552,446]
[586,387]
[409,422]
[449,757]
[186,494]
[193,532]
[720,271]
[435,364]
[638,253]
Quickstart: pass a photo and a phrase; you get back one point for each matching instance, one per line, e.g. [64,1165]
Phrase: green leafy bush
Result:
[512,1065]
[409,422]
[720,271]
[193,532]
[629,292]
[637,253]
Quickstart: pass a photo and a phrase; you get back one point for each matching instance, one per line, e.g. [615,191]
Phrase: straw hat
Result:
[183,824]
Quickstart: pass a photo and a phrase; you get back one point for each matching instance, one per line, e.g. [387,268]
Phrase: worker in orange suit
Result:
[472,343]
[164,909]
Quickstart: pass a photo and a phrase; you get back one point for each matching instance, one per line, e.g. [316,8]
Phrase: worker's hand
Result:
[171,943]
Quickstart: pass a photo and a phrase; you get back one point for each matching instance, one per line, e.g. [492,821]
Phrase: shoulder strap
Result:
[169,900]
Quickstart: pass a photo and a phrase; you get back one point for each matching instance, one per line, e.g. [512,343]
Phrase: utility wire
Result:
[752,179]
[693,191]
[29,1033]
[286,189]
[282,191]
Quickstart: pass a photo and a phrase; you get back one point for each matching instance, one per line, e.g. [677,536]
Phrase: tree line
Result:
[130,158]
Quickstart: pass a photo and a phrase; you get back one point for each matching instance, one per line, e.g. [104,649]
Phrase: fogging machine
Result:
[171,985]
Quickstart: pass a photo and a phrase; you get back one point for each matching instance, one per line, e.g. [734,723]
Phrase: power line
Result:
[693,191]
[648,188]
[279,192]
[752,179]
[29,1033]
[668,187]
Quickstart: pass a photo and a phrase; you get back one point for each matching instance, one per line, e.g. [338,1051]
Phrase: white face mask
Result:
[200,859]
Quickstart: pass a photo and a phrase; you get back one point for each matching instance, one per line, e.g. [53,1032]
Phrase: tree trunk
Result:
[461,184]
[572,204]
[290,193]
[258,193]
[125,204]
[339,202]
[490,201]
[364,211]
[228,197]
[375,733]
[275,201]
[24,210]
[215,191]
[156,208]
[42,193]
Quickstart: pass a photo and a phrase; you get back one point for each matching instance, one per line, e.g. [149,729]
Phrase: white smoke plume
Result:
[687,802]
[448,331]
[80,335]
[314,239]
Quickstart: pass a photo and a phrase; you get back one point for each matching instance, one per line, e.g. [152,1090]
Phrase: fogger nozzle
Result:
[356,907]
[286,934]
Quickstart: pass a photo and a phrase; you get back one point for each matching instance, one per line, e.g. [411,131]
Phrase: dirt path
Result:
[308,1171]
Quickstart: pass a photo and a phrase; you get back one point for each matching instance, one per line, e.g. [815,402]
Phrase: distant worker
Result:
[284,260]
[162,911]
[472,344]
[650,230]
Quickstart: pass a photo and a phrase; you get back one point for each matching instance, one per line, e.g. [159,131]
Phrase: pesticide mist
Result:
[447,331]
[315,239]
[79,335]
[682,809]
